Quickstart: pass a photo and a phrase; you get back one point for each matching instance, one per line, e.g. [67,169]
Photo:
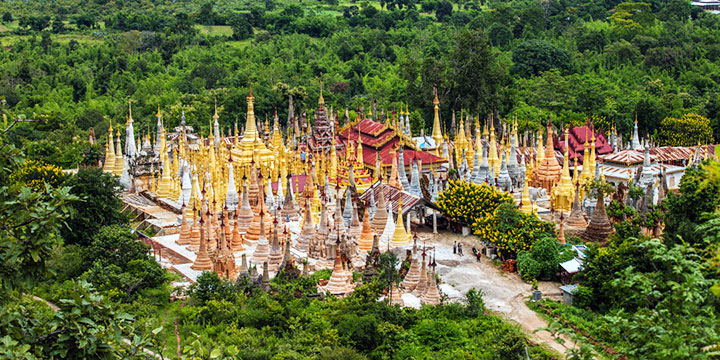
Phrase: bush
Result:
[583,297]
[209,286]
[542,261]
[465,202]
[99,205]
[528,267]
[510,230]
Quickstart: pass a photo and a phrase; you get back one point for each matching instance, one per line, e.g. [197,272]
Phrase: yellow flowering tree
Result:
[690,130]
[510,230]
[35,174]
[464,202]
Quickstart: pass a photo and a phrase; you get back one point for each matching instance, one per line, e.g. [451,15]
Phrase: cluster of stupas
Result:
[250,206]
[253,202]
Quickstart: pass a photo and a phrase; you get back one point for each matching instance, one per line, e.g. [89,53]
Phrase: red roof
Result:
[377,137]
[576,142]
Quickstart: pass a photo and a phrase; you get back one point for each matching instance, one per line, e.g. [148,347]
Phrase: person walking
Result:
[454,247]
[459,249]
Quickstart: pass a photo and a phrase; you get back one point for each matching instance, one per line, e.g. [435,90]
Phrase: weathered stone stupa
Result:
[599,227]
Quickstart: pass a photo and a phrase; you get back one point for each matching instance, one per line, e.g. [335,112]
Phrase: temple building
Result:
[578,137]
[383,141]
[670,161]
[323,130]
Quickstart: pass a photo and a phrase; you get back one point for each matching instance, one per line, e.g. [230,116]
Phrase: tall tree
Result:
[535,56]
[99,205]
[476,76]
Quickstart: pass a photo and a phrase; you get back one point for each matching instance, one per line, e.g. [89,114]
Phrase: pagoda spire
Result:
[159,135]
[400,236]
[549,171]
[437,129]
[276,251]
[231,197]
[493,159]
[636,144]
[245,213]
[119,159]
[262,251]
[308,231]
[563,191]
[202,261]
[109,166]
[381,214]
[321,100]
[130,147]
[401,169]
[236,244]
[216,127]
[415,179]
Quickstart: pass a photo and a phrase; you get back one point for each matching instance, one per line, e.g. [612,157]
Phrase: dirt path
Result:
[503,293]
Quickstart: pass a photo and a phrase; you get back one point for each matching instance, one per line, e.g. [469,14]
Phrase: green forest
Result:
[71,65]
[75,283]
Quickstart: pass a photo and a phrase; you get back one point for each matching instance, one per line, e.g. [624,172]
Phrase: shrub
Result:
[510,230]
[465,202]
[542,261]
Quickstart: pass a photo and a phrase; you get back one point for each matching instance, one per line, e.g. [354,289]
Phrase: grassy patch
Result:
[215,30]
[239,44]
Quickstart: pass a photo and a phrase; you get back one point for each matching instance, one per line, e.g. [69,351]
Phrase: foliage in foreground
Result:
[284,325]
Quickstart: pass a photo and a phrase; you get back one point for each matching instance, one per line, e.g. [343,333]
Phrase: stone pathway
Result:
[503,293]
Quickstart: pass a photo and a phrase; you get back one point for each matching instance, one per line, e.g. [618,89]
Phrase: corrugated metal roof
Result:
[572,266]
[570,289]
[679,153]
[627,157]
[621,172]
[391,196]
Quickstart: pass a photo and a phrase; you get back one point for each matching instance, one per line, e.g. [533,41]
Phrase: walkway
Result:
[505,294]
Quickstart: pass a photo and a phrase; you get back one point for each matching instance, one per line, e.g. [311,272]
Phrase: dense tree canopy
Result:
[569,59]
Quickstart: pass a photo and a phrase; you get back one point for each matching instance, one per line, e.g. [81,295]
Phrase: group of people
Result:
[458,249]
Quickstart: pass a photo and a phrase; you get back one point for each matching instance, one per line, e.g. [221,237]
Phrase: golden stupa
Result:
[251,146]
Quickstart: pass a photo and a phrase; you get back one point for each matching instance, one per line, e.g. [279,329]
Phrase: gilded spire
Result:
[400,236]
[215,116]
[437,131]
[321,100]
[562,194]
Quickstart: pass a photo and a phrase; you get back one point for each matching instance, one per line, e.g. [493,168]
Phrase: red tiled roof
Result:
[372,133]
[376,137]
[576,141]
